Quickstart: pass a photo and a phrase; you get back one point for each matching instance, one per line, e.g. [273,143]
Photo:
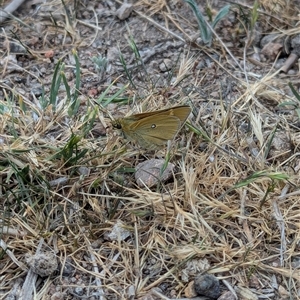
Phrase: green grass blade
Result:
[206,34]
[221,14]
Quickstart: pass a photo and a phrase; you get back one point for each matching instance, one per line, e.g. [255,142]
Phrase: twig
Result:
[280,223]
[289,62]
[11,255]
[96,270]
[29,284]
[9,9]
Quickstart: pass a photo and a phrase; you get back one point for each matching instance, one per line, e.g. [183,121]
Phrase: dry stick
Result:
[10,231]
[282,197]
[10,8]
[29,284]
[280,223]
[137,261]
[242,207]
[96,270]
[11,255]
[244,59]
[163,297]
[230,288]
[163,277]
[160,295]
[289,62]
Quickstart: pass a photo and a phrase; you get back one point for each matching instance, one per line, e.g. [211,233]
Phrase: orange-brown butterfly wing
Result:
[181,112]
[153,130]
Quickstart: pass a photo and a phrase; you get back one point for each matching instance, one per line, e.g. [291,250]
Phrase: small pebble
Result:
[124,11]
[148,172]
[207,285]
[43,264]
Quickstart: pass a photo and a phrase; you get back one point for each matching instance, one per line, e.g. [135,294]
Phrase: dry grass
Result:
[232,208]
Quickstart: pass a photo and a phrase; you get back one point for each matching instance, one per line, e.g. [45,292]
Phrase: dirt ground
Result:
[76,224]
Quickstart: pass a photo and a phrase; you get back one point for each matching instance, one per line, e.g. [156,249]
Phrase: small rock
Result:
[16,48]
[207,285]
[68,267]
[43,264]
[295,43]
[272,44]
[281,146]
[148,172]
[255,56]
[279,64]
[124,11]
[189,291]
[118,232]
[295,263]
[254,282]
[49,54]
[37,91]
[131,292]
[84,170]
[20,79]
[284,294]
[271,50]
[79,291]
[166,65]
[227,296]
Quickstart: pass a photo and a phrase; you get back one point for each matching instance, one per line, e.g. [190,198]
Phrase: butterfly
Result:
[156,128]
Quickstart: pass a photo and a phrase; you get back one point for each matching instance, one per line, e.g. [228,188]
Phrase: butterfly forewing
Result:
[181,112]
[160,126]
[157,131]
[154,128]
